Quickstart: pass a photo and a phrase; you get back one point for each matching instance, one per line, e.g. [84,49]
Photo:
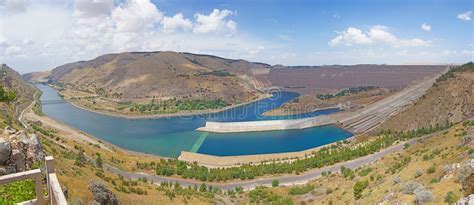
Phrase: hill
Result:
[127,82]
[450,100]
[21,96]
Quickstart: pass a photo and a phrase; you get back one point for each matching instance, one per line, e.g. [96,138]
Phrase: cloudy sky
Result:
[42,34]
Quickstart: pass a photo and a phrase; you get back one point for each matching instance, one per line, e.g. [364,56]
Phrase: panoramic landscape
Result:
[236,102]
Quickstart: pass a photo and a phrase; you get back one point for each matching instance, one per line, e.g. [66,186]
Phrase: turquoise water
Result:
[169,136]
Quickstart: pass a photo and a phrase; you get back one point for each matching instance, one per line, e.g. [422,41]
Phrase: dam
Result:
[170,136]
[266,125]
[358,121]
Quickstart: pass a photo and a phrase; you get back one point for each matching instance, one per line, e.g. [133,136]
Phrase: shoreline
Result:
[81,135]
[158,116]
[271,113]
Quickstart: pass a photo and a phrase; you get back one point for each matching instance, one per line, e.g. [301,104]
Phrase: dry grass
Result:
[384,187]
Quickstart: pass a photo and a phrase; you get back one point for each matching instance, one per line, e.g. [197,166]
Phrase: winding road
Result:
[284,180]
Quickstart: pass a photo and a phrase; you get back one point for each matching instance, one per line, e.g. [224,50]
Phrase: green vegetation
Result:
[348,91]
[173,106]
[347,173]
[300,190]
[325,156]
[263,195]
[7,95]
[275,183]
[450,73]
[37,109]
[365,172]
[359,187]
[219,73]
[451,198]
[19,191]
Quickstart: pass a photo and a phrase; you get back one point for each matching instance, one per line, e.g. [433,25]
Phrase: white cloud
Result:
[136,16]
[375,35]
[92,8]
[49,34]
[466,16]
[13,6]
[214,22]
[13,50]
[426,27]
[171,24]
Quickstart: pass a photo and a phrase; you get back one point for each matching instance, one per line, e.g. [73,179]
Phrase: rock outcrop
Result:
[18,151]
[102,195]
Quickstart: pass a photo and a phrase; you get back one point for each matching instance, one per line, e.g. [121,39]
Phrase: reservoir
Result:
[169,136]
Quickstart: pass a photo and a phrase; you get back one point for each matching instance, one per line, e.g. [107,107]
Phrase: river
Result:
[169,136]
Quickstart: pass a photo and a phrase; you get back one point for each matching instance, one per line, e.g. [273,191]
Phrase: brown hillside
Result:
[10,111]
[449,100]
[161,75]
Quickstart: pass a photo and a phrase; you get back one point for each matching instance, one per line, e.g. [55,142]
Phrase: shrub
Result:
[451,198]
[328,190]
[406,146]
[359,187]
[431,169]
[365,172]
[409,187]
[300,190]
[262,195]
[275,183]
[422,195]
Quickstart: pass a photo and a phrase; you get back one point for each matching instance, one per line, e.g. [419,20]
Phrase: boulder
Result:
[8,131]
[7,170]
[5,151]
[17,159]
[102,195]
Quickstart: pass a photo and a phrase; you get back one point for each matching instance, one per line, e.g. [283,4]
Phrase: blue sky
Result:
[39,35]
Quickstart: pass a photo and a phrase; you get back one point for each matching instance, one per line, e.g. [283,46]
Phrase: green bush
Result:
[262,195]
[451,198]
[359,187]
[275,183]
[300,190]
[7,95]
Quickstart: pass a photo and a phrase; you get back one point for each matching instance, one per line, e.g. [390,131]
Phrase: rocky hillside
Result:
[19,151]
[10,109]
[451,99]
[159,75]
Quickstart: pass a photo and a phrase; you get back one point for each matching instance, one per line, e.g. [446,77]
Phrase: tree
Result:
[359,187]
[202,188]
[275,183]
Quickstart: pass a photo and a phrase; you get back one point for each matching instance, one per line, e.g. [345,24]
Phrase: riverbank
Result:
[157,116]
[76,134]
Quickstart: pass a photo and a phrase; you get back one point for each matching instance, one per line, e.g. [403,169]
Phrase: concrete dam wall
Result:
[266,125]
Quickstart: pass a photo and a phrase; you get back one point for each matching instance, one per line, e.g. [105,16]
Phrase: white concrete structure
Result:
[266,125]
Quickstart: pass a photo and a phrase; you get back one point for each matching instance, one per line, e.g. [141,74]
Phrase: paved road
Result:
[284,180]
[20,118]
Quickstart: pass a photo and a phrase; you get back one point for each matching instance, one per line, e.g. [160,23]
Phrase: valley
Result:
[130,173]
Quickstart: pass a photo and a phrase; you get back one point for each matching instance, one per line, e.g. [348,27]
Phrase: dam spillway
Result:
[266,125]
